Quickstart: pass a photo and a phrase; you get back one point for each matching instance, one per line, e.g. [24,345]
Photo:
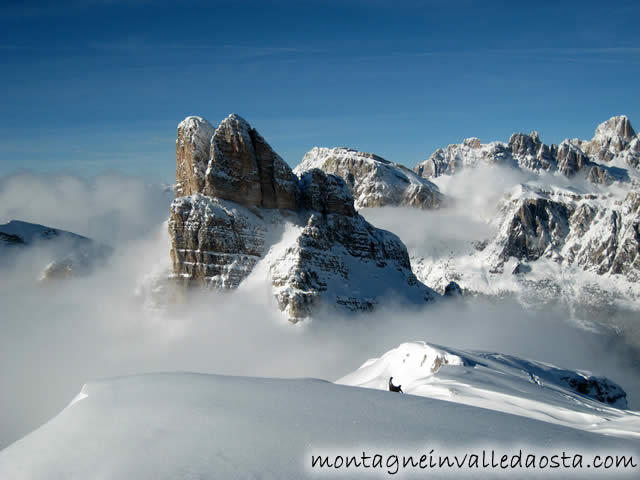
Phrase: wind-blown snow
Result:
[180,425]
[503,383]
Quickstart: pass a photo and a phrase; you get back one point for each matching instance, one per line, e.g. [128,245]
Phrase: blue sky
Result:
[100,85]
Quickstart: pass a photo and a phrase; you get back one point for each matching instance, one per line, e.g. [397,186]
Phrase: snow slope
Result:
[69,254]
[25,233]
[503,383]
[187,426]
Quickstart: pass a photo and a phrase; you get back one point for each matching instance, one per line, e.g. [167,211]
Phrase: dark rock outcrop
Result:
[537,225]
[452,290]
[325,193]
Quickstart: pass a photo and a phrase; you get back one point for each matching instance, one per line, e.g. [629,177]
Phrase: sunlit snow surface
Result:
[504,383]
[185,426]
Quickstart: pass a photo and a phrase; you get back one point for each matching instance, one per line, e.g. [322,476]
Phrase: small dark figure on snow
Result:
[393,388]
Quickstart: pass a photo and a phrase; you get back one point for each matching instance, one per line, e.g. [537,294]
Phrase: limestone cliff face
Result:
[553,245]
[537,225]
[325,194]
[533,154]
[612,138]
[339,255]
[192,154]
[243,168]
[247,198]
[586,230]
[374,181]
[613,246]
[214,242]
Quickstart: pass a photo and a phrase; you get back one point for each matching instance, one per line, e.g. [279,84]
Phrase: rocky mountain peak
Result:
[249,207]
[614,139]
[192,154]
[525,141]
[236,123]
[244,168]
[571,159]
[618,126]
[472,142]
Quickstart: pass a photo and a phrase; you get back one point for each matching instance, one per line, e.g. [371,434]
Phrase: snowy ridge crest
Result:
[504,383]
[373,181]
[602,160]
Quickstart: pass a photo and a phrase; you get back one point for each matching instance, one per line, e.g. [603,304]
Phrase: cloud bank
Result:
[57,337]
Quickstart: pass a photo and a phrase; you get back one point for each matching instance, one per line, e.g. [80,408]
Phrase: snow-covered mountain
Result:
[551,244]
[17,232]
[602,160]
[240,205]
[565,221]
[373,181]
[595,231]
[180,425]
[567,232]
[73,254]
[504,383]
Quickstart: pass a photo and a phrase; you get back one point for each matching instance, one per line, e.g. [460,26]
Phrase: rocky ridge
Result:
[595,232]
[249,200]
[556,239]
[553,245]
[601,160]
[241,204]
[374,181]
[570,241]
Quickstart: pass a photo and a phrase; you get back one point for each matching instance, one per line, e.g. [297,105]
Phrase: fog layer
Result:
[57,337]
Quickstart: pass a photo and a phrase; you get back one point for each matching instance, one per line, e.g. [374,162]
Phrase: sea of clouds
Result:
[56,337]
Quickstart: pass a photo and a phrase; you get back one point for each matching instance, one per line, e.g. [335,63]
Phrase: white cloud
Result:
[109,208]
[55,338]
